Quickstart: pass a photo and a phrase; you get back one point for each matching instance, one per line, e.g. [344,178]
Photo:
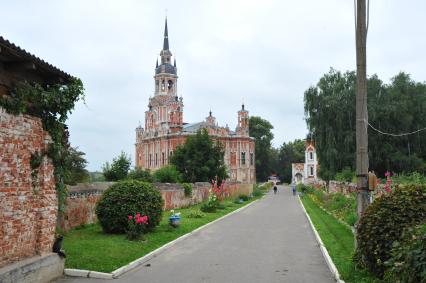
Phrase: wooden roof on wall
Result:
[17,64]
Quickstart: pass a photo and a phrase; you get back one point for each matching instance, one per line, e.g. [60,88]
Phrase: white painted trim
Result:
[323,249]
[118,272]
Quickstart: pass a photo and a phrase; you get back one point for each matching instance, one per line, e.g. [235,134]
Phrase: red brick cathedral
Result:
[165,129]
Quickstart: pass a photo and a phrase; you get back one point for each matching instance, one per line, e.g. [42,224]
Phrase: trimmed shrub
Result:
[187,189]
[127,198]
[167,174]
[408,261]
[383,222]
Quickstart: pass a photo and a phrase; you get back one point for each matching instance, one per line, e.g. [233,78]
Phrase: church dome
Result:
[166,68]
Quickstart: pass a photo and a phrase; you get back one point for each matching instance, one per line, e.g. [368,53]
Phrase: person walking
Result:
[293,188]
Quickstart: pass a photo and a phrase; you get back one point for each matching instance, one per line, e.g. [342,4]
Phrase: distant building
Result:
[306,172]
[164,127]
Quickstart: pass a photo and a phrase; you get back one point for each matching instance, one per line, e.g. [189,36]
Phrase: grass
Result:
[91,249]
[339,241]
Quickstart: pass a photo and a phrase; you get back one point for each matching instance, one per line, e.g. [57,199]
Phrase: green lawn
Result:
[91,249]
[339,241]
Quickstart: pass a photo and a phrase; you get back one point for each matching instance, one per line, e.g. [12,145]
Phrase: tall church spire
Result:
[166,38]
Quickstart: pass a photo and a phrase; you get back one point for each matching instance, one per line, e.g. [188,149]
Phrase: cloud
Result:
[266,53]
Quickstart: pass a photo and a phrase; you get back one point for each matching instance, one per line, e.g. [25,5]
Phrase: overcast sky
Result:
[265,52]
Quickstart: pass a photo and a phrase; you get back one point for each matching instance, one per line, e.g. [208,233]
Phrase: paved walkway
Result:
[270,241]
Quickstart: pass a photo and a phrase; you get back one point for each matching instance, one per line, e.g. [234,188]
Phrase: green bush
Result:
[196,214]
[141,175]
[383,222]
[167,174]
[243,197]
[187,189]
[127,198]
[208,207]
[408,257]
[257,192]
[346,175]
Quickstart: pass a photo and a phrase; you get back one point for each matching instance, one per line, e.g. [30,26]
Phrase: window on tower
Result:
[243,158]
[251,158]
[163,85]
[170,85]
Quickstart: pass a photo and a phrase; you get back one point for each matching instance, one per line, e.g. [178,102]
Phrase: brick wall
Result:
[341,187]
[28,205]
[82,199]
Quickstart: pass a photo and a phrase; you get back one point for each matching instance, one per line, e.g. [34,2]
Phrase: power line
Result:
[394,135]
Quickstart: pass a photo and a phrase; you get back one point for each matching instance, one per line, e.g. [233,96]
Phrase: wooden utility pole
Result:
[361,108]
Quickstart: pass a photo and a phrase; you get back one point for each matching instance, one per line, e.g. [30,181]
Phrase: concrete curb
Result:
[118,272]
[323,249]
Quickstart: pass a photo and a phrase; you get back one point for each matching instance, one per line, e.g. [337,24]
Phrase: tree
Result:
[200,159]
[260,130]
[291,152]
[397,107]
[76,167]
[118,169]
[141,175]
[167,174]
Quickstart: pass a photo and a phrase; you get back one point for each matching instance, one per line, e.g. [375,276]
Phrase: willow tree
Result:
[397,107]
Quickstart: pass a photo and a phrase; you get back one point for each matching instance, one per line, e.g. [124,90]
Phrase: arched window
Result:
[163,85]
[243,158]
[311,155]
[312,170]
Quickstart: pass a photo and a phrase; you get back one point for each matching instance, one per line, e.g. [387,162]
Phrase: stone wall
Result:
[82,199]
[28,201]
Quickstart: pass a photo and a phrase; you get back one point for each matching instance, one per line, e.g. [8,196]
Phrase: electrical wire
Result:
[394,135]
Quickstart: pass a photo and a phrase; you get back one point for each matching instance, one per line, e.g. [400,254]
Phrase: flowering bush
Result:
[124,198]
[136,226]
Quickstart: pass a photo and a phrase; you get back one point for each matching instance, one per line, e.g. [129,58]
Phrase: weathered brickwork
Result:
[81,201]
[28,206]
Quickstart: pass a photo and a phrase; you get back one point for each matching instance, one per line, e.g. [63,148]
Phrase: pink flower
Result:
[138,214]
[130,217]
[387,174]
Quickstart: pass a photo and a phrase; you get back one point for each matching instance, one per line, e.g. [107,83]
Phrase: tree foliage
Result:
[291,152]
[396,108]
[141,175]
[167,174]
[118,169]
[260,129]
[77,172]
[200,159]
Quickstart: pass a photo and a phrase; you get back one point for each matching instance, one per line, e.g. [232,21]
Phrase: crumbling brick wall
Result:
[28,201]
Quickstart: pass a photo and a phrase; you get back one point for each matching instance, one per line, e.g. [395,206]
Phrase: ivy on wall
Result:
[52,104]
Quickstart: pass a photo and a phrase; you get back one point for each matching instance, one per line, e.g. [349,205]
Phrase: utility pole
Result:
[361,108]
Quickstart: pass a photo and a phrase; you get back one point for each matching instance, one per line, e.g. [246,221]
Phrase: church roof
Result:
[194,127]
[165,68]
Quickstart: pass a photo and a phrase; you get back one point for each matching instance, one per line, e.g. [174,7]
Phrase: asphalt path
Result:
[269,241]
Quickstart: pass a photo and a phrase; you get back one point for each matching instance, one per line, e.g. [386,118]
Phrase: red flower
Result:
[130,217]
